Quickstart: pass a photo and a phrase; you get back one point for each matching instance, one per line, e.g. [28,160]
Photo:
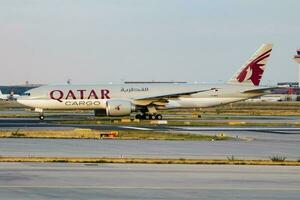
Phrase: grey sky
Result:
[109,41]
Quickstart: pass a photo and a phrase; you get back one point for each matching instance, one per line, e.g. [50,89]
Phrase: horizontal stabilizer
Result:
[262,90]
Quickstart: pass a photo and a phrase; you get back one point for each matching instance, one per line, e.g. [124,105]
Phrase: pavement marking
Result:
[136,128]
[144,187]
[238,128]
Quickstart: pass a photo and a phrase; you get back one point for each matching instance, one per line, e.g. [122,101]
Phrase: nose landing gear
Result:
[41,117]
[41,113]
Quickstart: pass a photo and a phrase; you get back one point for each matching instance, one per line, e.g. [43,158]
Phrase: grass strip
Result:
[122,135]
[147,161]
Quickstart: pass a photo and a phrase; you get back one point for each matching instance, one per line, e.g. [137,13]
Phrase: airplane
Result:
[8,97]
[147,98]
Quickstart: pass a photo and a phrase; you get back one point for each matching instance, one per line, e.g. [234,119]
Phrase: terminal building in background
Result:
[18,89]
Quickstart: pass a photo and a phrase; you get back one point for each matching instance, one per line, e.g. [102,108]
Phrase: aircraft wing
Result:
[163,98]
[262,90]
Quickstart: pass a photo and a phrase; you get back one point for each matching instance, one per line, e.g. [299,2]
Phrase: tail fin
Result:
[251,72]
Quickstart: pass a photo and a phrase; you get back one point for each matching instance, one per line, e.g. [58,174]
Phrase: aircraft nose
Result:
[23,97]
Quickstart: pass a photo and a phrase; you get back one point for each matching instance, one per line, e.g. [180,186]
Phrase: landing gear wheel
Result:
[158,117]
[139,116]
[41,117]
[149,116]
[153,117]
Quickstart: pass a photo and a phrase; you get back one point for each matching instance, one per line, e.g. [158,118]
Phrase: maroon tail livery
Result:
[251,73]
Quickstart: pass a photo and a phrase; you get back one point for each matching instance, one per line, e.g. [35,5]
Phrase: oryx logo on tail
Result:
[254,70]
[251,73]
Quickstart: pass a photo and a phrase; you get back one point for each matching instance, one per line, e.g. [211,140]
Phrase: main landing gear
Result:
[149,116]
[149,113]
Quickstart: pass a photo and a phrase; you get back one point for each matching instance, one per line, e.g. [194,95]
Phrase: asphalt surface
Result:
[144,148]
[257,143]
[133,181]
[8,123]
[115,181]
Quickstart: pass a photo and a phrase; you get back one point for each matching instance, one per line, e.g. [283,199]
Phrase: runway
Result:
[134,181]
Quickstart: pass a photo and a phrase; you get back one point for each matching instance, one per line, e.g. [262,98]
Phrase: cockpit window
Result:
[27,93]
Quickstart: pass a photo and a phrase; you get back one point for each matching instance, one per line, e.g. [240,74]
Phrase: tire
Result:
[41,117]
[138,116]
[158,117]
[153,117]
[143,116]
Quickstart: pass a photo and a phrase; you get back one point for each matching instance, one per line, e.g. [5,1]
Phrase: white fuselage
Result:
[90,97]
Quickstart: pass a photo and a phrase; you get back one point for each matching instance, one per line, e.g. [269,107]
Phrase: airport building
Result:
[17,89]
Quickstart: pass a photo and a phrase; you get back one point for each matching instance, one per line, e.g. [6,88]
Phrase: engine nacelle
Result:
[119,107]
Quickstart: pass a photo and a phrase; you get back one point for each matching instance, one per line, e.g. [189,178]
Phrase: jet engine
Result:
[116,107]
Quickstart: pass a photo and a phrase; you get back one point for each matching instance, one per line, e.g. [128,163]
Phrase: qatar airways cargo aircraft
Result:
[146,99]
